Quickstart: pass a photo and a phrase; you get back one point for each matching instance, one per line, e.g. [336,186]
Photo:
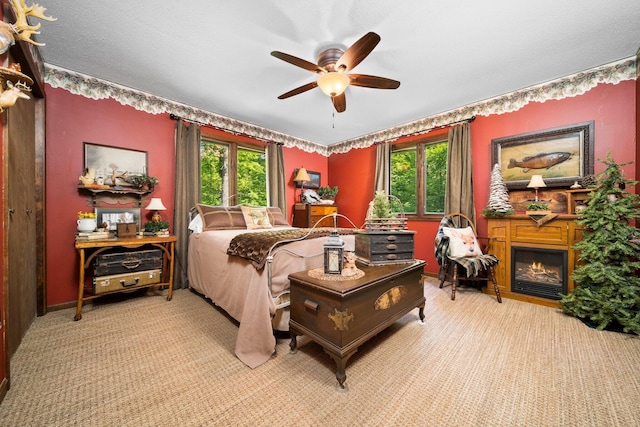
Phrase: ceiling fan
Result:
[332,67]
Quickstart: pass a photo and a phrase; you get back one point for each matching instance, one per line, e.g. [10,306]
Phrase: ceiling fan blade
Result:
[357,52]
[339,102]
[373,81]
[298,62]
[299,90]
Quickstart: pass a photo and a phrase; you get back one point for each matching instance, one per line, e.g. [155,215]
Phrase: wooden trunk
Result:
[340,315]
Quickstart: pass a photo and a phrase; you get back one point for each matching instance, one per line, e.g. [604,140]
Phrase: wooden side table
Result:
[341,315]
[96,247]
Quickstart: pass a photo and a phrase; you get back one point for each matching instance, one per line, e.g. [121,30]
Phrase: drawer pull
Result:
[392,238]
[392,247]
[311,305]
[392,256]
[126,285]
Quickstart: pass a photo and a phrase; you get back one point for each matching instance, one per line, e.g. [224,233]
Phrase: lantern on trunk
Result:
[333,254]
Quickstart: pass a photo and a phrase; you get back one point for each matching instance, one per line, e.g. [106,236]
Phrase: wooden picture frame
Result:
[314,184]
[115,216]
[561,155]
[109,161]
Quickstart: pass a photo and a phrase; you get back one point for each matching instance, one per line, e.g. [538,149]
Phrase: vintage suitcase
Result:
[127,262]
[120,282]
[384,247]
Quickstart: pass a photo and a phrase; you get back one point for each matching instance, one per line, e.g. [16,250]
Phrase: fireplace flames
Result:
[537,272]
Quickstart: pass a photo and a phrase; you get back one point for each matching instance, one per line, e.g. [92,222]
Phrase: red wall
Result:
[611,107]
[72,119]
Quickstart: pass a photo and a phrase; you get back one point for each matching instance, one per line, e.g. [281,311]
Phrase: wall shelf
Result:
[114,195]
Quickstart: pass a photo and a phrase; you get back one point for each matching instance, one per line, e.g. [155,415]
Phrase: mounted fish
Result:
[539,161]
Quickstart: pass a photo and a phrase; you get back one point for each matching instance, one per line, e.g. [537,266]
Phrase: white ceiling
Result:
[215,55]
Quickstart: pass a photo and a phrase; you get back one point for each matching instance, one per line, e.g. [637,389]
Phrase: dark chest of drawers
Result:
[384,247]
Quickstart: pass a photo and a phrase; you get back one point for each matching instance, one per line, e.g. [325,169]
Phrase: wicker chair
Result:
[476,268]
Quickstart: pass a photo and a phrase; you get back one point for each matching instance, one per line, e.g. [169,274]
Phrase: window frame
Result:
[234,147]
[419,145]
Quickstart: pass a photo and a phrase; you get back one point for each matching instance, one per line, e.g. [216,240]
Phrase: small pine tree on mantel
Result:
[607,292]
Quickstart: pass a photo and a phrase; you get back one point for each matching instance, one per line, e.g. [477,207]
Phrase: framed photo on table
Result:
[114,216]
[561,155]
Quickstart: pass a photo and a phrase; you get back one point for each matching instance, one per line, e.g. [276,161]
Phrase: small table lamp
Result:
[156,205]
[301,177]
[536,182]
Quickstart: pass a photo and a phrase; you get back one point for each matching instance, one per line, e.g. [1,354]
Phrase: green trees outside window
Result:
[231,169]
[418,176]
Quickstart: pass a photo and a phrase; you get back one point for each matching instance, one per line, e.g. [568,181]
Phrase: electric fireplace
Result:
[539,272]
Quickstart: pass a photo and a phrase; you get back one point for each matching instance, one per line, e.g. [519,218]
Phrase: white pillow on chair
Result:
[462,242]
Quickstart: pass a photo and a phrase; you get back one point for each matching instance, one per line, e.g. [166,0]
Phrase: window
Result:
[418,176]
[229,169]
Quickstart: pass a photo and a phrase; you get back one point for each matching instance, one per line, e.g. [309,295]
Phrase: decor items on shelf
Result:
[143,181]
[607,280]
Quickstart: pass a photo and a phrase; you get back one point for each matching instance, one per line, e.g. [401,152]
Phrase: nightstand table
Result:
[96,247]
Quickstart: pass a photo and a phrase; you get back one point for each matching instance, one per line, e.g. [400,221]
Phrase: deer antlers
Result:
[21,29]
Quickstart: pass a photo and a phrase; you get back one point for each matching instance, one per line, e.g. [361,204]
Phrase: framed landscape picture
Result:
[111,161]
[561,155]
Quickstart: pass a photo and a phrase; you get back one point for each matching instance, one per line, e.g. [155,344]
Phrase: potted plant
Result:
[157,227]
[143,181]
[327,193]
[538,208]
[380,215]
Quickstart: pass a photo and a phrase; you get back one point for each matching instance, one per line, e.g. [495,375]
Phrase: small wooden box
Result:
[127,229]
[384,247]
[120,282]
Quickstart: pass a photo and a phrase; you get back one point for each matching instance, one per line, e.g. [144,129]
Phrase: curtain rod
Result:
[176,118]
[467,120]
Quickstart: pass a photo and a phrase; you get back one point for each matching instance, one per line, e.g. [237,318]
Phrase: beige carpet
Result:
[148,362]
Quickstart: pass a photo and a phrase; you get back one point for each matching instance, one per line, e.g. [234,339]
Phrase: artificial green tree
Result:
[607,292]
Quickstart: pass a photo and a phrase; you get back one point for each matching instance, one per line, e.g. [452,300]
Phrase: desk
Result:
[96,247]
[341,315]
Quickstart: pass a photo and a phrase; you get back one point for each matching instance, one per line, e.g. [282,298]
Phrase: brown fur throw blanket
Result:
[255,246]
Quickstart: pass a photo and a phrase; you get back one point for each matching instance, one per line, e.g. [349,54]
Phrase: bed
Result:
[239,283]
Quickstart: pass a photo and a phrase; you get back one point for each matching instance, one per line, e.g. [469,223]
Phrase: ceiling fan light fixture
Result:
[333,83]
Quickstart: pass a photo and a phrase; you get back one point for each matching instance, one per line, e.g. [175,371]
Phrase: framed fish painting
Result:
[561,155]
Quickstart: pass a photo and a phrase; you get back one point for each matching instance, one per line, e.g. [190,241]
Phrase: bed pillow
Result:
[196,224]
[276,217]
[256,217]
[221,217]
[462,242]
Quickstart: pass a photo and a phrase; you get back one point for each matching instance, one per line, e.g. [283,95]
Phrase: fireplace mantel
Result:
[561,233]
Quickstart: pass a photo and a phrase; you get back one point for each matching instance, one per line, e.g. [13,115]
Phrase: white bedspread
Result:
[235,285]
